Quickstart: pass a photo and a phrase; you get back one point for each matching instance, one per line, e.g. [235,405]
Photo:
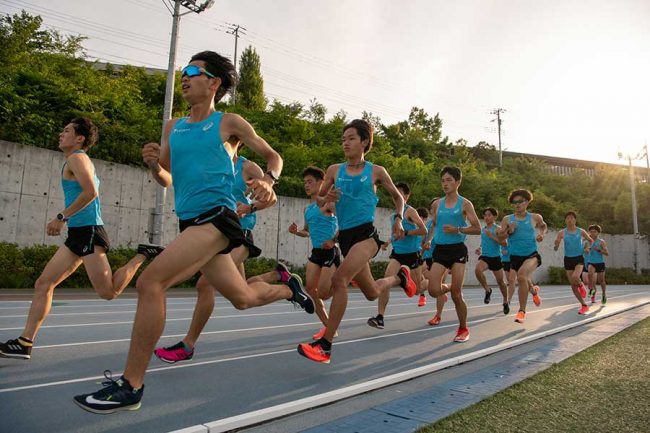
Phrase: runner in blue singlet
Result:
[490,258]
[597,255]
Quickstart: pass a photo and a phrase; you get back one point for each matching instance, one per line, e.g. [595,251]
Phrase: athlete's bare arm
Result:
[413,216]
[474,224]
[253,171]
[558,239]
[382,177]
[157,157]
[538,222]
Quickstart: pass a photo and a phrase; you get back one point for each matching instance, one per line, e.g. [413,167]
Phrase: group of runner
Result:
[217,195]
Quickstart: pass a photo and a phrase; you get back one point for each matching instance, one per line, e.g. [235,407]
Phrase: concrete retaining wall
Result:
[30,196]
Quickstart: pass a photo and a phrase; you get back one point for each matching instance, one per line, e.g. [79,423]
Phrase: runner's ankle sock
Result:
[325,344]
[25,341]
[186,348]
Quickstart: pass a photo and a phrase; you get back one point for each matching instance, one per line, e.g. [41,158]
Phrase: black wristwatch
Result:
[273,177]
[253,208]
[60,217]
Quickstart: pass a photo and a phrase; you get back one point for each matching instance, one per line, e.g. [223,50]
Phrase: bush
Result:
[557,275]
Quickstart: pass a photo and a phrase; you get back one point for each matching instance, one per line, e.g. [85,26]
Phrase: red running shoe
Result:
[521,316]
[422,301]
[462,335]
[583,310]
[435,321]
[537,300]
[315,352]
[406,282]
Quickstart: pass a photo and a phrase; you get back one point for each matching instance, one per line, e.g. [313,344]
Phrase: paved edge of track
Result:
[250,419]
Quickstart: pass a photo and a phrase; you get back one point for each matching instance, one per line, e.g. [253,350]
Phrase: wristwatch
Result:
[60,217]
[253,208]
[273,177]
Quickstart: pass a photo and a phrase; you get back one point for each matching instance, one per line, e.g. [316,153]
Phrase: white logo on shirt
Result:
[364,178]
[208,126]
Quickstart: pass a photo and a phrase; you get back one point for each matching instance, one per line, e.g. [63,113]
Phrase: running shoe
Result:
[149,251]
[376,322]
[462,335]
[488,295]
[173,354]
[593,299]
[521,316]
[320,334]
[583,291]
[604,300]
[435,321]
[299,297]
[422,301]
[506,308]
[16,349]
[284,275]
[592,292]
[406,282]
[583,309]
[315,352]
[537,300]
[116,395]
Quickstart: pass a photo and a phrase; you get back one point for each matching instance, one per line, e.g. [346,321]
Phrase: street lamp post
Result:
[155,235]
[635,221]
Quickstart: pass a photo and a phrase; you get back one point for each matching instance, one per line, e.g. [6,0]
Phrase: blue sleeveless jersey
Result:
[594,256]
[573,243]
[522,241]
[238,189]
[505,253]
[91,215]
[427,254]
[489,247]
[202,170]
[358,200]
[452,216]
[321,227]
[408,244]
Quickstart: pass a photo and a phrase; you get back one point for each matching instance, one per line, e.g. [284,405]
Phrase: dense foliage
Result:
[45,81]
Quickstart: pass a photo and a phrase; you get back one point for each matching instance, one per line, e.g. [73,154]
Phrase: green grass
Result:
[605,388]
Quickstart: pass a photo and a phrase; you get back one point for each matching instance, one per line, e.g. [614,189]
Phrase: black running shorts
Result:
[226,221]
[449,254]
[517,261]
[570,263]
[599,267]
[506,266]
[325,258]
[253,250]
[82,240]
[412,260]
[494,263]
[349,237]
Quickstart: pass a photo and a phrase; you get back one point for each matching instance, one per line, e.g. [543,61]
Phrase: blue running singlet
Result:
[358,200]
[505,253]
[321,227]
[489,247]
[238,189]
[452,216]
[594,256]
[522,241]
[91,215]
[408,244]
[202,171]
[573,243]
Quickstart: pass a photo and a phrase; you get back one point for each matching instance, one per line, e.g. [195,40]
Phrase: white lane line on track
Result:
[585,320]
[369,304]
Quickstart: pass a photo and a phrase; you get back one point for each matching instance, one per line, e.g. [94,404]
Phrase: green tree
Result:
[250,90]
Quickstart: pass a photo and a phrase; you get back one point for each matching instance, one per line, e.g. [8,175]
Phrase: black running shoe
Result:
[300,297]
[150,251]
[376,322]
[116,395]
[506,308]
[488,294]
[13,349]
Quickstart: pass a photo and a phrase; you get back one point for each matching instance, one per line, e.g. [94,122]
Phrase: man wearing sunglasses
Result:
[196,158]
[520,230]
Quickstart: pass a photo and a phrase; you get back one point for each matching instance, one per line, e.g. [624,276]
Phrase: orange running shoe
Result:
[435,321]
[462,335]
[584,309]
[406,282]
[321,333]
[422,301]
[315,352]
[583,291]
[536,298]
[521,315]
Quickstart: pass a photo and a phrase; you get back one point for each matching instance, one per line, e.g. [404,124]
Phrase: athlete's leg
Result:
[108,285]
[603,284]
[500,277]
[436,275]
[574,280]
[524,280]
[512,281]
[325,282]
[479,271]
[61,266]
[457,279]
[202,311]
[391,270]
[313,274]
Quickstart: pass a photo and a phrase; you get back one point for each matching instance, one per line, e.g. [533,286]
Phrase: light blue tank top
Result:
[321,227]
[238,189]
[408,244]
[505,254]
[489,247]
[358,200]
[585,256]
[427,254]
[91,215]
[452,216]
[202,170]
[573,243]
[522,241]
[595,256]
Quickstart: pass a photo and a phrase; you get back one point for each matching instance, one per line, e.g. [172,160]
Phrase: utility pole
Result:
[155,234]
[647,161]
[235,29]
[498,112]
[635,222]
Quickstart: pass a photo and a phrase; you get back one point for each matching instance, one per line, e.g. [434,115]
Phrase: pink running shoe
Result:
[462,335]
[583,291]
[422,301]
[173,354]
[583,310]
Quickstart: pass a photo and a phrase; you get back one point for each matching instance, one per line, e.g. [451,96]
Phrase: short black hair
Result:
[595,227]
[523,193]
[571,213]
[404,187]
[492,210]
[423,212]
[364,129]
[221,67]
[314,171]
[453,172]
[84,126]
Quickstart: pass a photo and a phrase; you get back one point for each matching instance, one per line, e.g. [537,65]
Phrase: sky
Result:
[573,76]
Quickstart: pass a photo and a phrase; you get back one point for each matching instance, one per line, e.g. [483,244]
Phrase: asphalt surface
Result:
[245,360]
